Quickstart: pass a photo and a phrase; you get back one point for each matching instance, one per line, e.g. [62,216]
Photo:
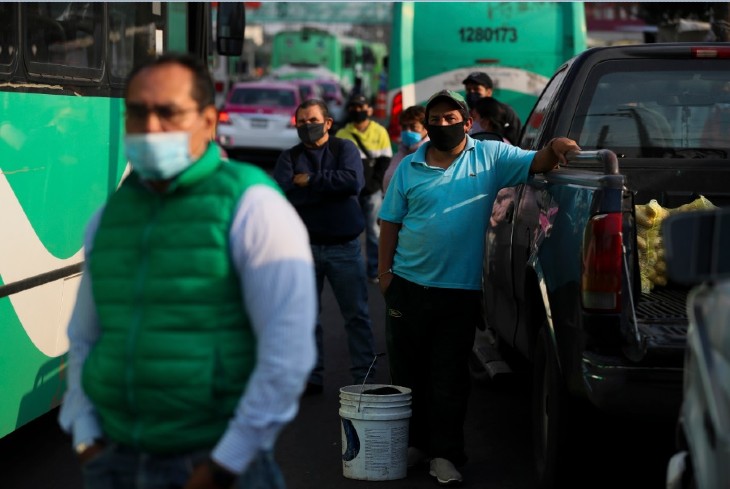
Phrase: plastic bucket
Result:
[374,426]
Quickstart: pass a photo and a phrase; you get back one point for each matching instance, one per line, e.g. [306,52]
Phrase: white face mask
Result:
[160,155]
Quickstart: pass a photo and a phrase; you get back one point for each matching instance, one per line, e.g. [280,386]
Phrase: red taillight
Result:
[396,108]
[710,52]
[224,117]
[293,121]
[602,258]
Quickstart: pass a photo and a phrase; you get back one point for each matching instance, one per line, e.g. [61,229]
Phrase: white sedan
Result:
[259,116]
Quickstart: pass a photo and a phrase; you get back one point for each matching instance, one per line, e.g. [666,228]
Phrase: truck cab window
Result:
[676,111]
[537,118]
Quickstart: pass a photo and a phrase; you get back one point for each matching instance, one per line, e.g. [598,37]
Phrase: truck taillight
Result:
[396,108]
[602,258]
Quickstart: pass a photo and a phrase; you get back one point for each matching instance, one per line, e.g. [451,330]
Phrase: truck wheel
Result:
[550,405]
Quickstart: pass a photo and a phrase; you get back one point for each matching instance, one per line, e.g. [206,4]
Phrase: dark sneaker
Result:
[445,472]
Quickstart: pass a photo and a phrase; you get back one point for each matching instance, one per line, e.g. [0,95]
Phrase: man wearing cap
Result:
[479,85]
[374,143]
[433,222]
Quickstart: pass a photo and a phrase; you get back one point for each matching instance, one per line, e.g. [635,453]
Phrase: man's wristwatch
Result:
[221,477]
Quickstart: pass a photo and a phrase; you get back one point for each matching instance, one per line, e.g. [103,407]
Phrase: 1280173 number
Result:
[488,34]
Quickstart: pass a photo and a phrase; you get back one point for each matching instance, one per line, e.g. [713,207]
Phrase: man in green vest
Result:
[193,332]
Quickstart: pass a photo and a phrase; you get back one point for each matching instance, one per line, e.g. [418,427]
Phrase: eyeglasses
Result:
[170,114]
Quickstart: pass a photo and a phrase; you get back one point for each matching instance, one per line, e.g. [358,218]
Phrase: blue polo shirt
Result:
[445,212]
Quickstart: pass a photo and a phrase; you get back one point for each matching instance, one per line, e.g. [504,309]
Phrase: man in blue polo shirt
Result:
[433,221]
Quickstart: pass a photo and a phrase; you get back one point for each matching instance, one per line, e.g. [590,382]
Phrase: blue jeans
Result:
[342,265]
[371,208]
[124,468]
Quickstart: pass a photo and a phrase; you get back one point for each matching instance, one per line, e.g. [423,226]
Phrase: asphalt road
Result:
[38,456]
[613,453]
[497,434]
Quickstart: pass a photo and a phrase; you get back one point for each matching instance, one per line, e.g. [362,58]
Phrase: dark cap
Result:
[480,78]
[449,95]
[358,100]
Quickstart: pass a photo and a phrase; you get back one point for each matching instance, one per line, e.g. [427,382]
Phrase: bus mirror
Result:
[231,25]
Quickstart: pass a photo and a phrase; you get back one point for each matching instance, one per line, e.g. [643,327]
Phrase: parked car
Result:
[259,116]
[308,89]
[703,427]
[334,95]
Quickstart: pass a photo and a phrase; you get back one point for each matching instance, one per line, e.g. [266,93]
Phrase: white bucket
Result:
[374,431]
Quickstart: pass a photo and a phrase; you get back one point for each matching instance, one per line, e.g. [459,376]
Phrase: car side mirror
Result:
[230,28]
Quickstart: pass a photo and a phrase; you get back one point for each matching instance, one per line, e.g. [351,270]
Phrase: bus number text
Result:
[488,34]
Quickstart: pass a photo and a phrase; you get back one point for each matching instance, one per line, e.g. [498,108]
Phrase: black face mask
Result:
[472,98]
[446,138]
[311,133]
[358,116]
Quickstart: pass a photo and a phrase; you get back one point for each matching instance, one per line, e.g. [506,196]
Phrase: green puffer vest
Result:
[176,348]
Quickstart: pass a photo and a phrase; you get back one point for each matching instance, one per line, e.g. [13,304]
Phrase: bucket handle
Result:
[370,368]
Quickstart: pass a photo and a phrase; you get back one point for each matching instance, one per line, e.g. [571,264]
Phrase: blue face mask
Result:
[160,155]
[410,138]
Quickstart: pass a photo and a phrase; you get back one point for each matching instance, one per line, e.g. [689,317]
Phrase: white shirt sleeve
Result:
[77,415]
[271,252]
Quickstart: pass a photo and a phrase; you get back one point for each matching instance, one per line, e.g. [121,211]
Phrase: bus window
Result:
[67,36]
[135,29]
[368,57]
[348,57]
[8,36]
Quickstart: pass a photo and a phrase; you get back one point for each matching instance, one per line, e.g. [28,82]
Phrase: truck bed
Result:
[662,318]
[664,305]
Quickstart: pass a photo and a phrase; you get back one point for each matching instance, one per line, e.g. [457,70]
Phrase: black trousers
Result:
[430,334]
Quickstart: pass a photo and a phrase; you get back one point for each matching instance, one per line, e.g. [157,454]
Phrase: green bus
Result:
[62,71]
[374,56]
[435,45]
[307,49]
[305,52]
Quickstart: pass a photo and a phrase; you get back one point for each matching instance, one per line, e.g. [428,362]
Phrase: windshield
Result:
[677,109]
[275,97]
[305,91]
[329,88]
